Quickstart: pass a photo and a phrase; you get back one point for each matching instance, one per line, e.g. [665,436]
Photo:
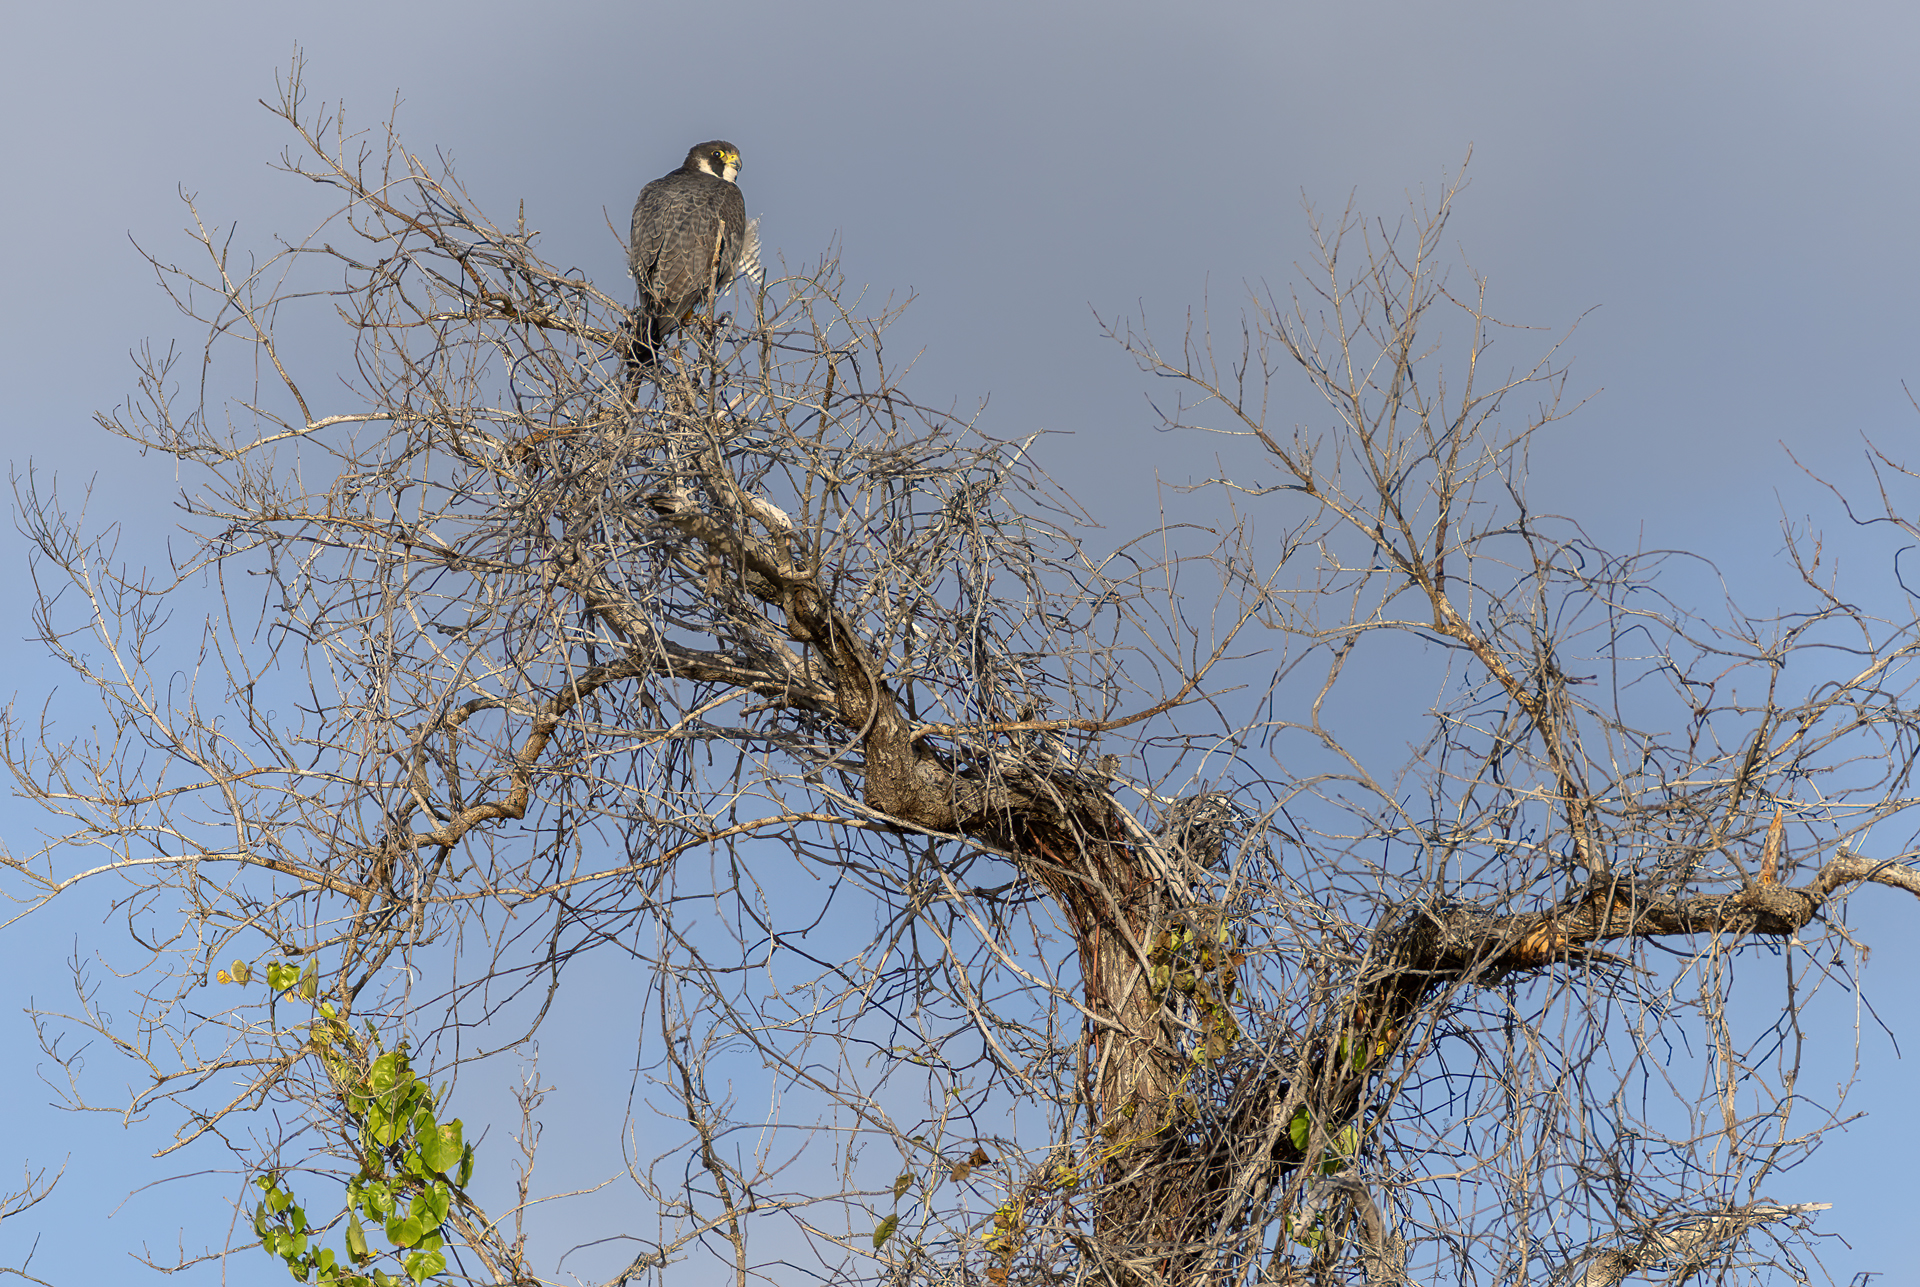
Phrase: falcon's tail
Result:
[643,341]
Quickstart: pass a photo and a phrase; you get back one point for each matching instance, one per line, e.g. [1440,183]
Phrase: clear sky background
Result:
[1723,196]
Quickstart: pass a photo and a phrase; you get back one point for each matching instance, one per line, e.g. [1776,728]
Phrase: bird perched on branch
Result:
[690,239]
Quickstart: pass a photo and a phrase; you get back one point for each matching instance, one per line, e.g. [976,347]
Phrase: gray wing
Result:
[642,245]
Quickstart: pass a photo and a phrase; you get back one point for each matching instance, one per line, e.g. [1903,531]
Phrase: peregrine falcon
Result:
[676,223]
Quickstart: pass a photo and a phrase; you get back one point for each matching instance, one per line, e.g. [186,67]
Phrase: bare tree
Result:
[1250,909]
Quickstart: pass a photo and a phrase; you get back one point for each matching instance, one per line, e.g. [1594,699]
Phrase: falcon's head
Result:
[718,158]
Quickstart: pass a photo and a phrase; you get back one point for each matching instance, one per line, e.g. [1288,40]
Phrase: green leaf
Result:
[404,1232]
[430,1207]
[356,1239]
[323,1259]
[441,1148]
[901,1183]
[885,1231]
[388,1071]
[377,1201]
[422,1265]
[466,1165]
[1300,1129]
[282,975]
[310,981]
[1310,1238]
[383,1128]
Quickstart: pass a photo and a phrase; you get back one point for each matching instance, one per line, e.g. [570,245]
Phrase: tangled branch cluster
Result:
[1327,924]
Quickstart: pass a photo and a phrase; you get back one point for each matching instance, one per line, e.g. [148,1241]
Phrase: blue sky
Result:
[1722,197]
